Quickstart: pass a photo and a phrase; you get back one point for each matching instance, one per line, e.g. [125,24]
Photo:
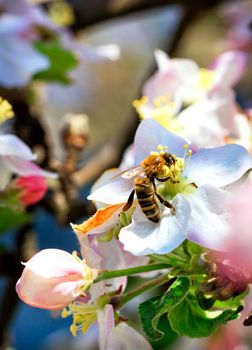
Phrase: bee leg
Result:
[163,180]
[166,204]
[129,201]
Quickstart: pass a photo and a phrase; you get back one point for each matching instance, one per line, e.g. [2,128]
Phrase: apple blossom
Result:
[181,94]
[195,188]
[53,278]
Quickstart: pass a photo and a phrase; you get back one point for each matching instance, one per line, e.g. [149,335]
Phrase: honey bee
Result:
[154,167]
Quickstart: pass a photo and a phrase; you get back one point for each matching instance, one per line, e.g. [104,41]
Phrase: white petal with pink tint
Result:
[125,337]
[120,337]
[51,279]
[26,168]
[230,67]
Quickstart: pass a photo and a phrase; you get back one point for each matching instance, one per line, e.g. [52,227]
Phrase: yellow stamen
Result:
[73,330]
[6,111]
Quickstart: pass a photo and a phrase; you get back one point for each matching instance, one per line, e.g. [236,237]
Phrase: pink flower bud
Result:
[33,189]
[53,278]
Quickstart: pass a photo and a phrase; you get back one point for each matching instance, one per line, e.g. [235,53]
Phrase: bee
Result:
[154,167]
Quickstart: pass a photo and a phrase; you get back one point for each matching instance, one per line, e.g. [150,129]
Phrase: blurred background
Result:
[114,41]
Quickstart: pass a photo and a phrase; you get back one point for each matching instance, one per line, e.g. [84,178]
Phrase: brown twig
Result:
[90,13]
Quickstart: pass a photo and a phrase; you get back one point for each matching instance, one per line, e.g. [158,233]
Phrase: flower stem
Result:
[104,275]
[121,300]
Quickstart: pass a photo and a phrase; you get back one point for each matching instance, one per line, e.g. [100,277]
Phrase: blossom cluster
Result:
[171,206]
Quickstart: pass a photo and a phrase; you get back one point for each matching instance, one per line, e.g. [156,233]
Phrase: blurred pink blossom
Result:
[239,241]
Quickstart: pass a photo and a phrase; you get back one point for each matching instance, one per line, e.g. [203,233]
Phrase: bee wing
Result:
[130,173]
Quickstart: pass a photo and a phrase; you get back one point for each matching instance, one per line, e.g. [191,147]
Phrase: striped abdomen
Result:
[147,200]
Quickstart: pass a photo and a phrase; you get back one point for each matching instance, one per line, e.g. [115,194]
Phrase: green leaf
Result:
[151,310]
[187,318]
[10,219]
[169,335]
[61,62]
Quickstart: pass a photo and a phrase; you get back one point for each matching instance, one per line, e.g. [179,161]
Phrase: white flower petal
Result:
[202,124]
[25,61]
[175,76]
[117,191]
[162,60]
[126,338]
[143,237]
[150,134]
[218,166]
[104,179]
[209,222]
[25,168]
[11,145]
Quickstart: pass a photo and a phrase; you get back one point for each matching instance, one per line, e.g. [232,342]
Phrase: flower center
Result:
[170,179]
[162,109]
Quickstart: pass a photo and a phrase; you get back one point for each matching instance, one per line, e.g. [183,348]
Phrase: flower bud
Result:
[53,278]
[75,131]
[33,189]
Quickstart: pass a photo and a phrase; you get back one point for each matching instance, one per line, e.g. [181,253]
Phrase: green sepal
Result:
[151,310]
